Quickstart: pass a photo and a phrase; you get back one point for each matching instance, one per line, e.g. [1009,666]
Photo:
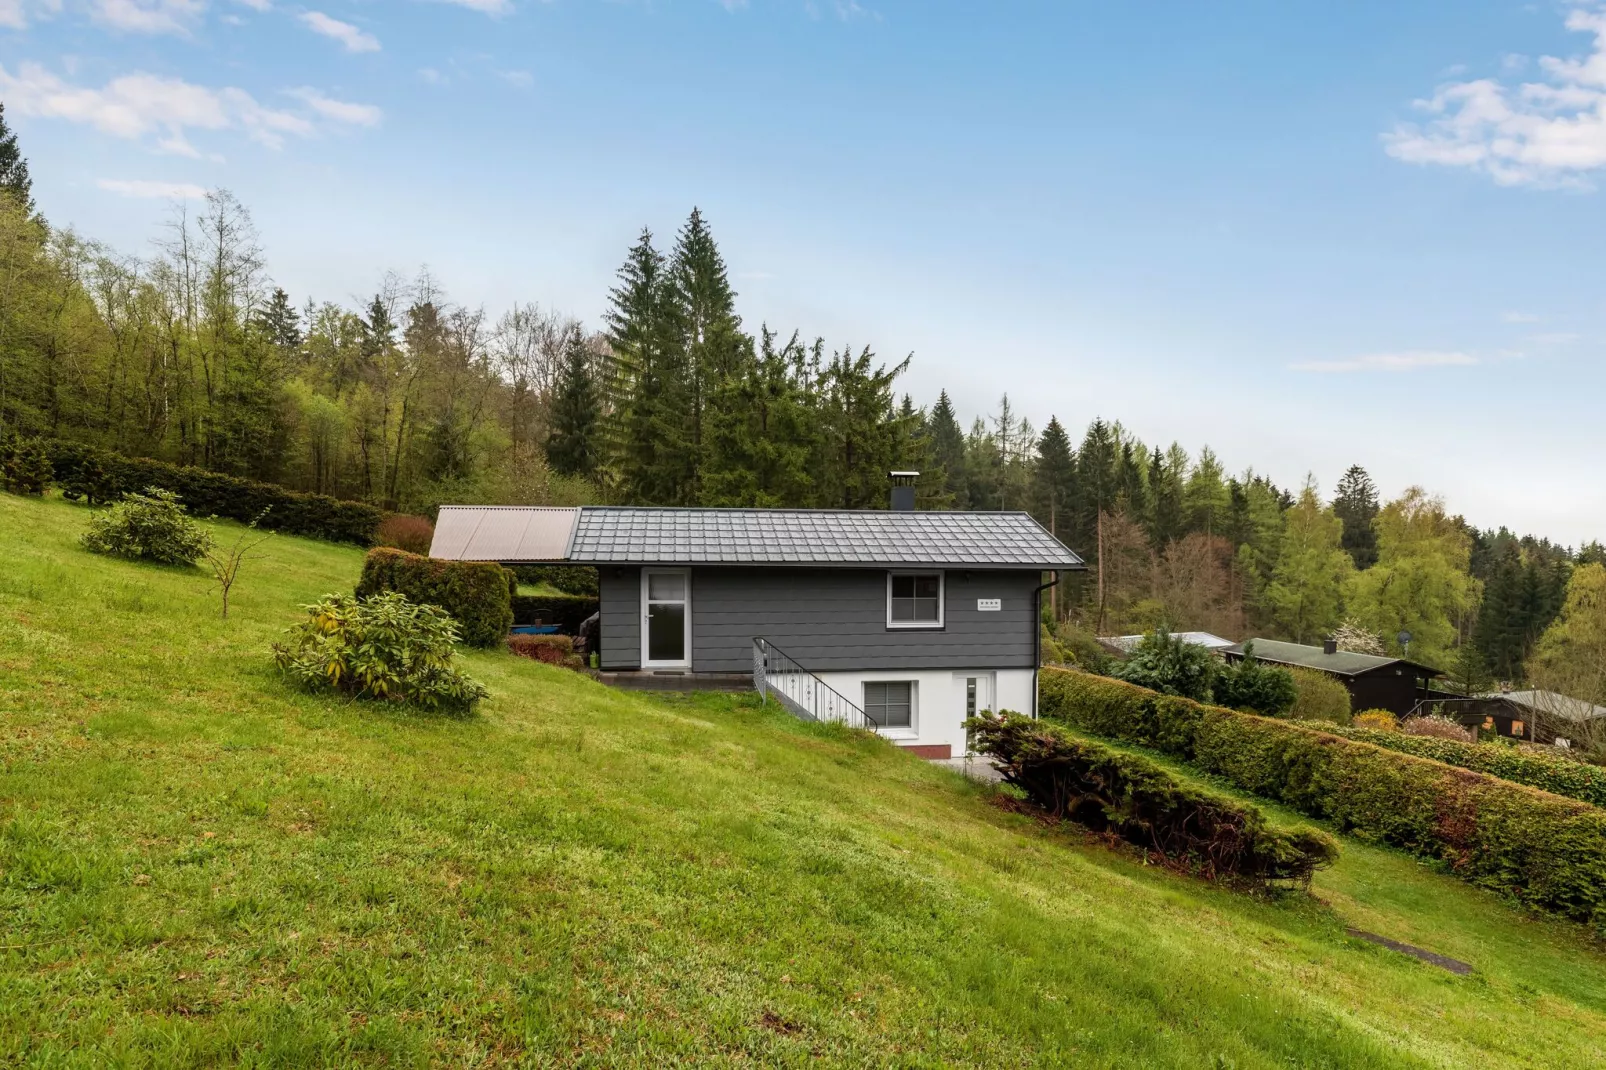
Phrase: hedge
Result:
[86,472]
[1542,849]
[477,594]
[567,611]
[573,579]
[1143,804]
[1557,775]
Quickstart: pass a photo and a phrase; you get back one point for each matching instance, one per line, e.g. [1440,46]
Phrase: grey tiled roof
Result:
[1343,663]
[625,535]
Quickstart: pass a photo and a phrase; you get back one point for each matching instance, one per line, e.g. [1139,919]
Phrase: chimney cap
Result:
[1329,646]
[903,475]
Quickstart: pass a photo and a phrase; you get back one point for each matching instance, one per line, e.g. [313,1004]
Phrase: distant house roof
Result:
[1125,644]
[1343,663]
[512,534]
[1555,704]
[867,538]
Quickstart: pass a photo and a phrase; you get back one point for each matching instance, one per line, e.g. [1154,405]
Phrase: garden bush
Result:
[551,649]
[1377,721]
[1143,804]
[384,647]
[148,527]
[477,594]
[1318,697]
[1255,686]
[25,465]
[402,532]
[1438,728]
[1542,849]
[1554,773]
[1164,663]
[102,476]
[567,611]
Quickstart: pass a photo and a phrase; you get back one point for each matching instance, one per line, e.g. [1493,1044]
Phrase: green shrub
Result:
[103,476]
[384,648]
[1146,806]
[25,465]
[1318,697]
[1166,664]
[477,594]
[1254,686]
[572,579]
[148,527]
[567,611]
[1544,850]
[1555,774]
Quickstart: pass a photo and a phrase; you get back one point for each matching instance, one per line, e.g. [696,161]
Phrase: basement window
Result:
[914,599]
[890,703]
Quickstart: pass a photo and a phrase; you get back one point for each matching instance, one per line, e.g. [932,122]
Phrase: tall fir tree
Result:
[715,350]
[574,443]
[279,322]
[1054,479]
[1206,495]
[14,177]
[654,458]
[948,450]
[1355,503]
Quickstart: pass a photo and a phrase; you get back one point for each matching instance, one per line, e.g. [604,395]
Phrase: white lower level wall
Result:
[941,698]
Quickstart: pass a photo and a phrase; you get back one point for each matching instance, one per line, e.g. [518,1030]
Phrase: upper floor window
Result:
[914,600]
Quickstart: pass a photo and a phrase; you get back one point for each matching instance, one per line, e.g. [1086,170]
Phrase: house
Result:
[1535,716]
[903,621]
[1123,645]
[1373,682]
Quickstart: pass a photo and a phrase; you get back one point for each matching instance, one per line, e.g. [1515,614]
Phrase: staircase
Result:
[775,674]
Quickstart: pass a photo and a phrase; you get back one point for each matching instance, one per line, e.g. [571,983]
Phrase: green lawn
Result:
[199,866]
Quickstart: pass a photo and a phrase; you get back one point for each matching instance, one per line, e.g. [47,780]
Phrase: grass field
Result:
[200,866]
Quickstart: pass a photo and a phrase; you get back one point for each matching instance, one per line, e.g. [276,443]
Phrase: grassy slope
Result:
[197,865]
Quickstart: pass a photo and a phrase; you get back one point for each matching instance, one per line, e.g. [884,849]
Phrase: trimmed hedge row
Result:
[86,472]
[1544,850]
[477,594]
[566,611]
[1143,804]
[1559,776]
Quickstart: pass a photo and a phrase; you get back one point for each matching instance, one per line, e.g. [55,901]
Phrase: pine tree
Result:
[1167,511]
[14,178]
[652,454]
[948,449]
[1206,495]
[712,341]
[573,446]
[279,321]
[1355,503]
[1054,479]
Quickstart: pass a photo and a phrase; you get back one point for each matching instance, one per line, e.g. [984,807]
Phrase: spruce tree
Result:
[1054,479]
[651,450]
[572,446]
[948,449]
[1355,503]
[1166,474]
[279,321]
[712,339]
[14,178]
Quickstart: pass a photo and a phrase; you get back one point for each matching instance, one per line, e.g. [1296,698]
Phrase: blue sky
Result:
[1307,234]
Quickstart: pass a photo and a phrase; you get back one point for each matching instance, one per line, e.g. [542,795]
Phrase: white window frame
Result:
[685,661]
[942,600]
[895,731]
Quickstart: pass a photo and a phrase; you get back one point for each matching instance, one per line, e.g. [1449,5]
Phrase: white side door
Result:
[665,618]
[975,691]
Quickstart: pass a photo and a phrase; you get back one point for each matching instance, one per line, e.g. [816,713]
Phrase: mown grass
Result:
[200,866]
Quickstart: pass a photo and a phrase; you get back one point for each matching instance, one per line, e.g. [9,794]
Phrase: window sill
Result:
[933,626]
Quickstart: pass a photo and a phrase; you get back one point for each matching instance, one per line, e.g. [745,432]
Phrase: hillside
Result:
[198,865]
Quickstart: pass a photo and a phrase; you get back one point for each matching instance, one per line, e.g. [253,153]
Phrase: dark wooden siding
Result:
[1382,689]
[620,590]
[836,619]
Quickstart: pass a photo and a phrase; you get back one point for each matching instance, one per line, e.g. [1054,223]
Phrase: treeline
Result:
[191,354]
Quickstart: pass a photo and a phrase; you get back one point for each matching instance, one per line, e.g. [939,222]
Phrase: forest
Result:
[190,353]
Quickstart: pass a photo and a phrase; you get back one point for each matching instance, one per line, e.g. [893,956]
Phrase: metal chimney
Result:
[1329,646]
[903,491]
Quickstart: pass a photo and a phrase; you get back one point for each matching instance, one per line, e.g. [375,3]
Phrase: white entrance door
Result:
[665,618]
[975,695]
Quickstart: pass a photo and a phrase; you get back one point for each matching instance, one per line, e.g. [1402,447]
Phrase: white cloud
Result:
[339,111]
[1407,360]
[149,16]
[257,5]
[517,79]
[354,39]
[1550,133]
[137,106]
[138,187]
[484,7]
[1519,317]
[432,76]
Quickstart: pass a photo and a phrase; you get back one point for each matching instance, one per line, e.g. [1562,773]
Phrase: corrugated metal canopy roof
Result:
[629,535]
[1130,643]
[1343,663]
[508,533]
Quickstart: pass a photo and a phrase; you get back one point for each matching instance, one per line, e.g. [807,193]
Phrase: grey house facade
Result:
[917,618]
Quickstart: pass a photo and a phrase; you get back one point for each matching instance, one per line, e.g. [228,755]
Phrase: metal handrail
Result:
[806,695]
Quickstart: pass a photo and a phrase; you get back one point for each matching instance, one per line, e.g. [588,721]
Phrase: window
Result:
[890,703]
[914,600]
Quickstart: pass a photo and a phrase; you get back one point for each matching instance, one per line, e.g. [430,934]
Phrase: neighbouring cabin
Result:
[1373,682]
[903,621]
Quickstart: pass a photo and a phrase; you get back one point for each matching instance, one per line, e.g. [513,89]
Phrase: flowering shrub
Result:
[1438,728]
[1377,721]
[403,532]
[148,527]
[383,647]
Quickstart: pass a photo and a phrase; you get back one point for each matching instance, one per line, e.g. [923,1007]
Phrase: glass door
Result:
[665,618]
[976,693]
